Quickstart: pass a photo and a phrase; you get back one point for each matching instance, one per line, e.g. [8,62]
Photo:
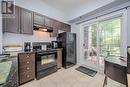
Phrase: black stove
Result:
[46,61]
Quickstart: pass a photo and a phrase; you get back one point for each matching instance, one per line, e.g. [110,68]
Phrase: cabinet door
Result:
[55,29]
[67,27]
[38,19]
[59,26]
[11,25]
[49,22]
[26,21]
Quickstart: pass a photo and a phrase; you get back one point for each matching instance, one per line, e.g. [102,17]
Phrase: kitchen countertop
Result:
[12,78]
[116,60]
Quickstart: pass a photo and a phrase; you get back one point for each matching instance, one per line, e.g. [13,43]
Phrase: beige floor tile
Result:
[70,78]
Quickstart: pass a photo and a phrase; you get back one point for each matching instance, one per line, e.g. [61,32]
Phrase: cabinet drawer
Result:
[26,77]
[24,69]
[26,57]
[26,62]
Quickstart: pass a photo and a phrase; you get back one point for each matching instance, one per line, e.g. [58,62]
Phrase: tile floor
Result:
[70,78]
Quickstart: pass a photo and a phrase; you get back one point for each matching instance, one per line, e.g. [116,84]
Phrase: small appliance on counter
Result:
[27,46]
[54,44]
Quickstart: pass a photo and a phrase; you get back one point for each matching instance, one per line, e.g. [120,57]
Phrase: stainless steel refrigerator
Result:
[67,41]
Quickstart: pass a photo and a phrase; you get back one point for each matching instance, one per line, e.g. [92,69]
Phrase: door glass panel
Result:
[110,38]
[46,59]
[93,45]
[90,44]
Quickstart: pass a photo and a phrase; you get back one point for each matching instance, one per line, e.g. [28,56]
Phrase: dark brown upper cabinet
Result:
[49,22]
[26,21]
[12,24]
[23,21]
[55,29]
[60,26]
[38,19]
[64,27]
[67,27]
[20,23]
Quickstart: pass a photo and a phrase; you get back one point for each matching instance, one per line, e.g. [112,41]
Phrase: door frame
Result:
[123,14]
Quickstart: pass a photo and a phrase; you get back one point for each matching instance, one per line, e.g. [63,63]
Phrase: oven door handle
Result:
[47,53]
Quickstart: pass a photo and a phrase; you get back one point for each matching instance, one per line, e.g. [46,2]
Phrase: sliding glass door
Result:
[101,40]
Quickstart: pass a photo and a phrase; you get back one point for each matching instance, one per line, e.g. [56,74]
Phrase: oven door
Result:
[46,60]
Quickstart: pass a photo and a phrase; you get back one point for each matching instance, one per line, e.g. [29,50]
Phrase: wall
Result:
[0,31]
[128,27]
[1,35]
[76,29]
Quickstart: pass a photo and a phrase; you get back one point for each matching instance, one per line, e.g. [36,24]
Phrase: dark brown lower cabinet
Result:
[26,64]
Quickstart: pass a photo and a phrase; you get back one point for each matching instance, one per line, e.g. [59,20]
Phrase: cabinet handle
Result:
[27,56]
[28,76]
[28,62]
[28,68]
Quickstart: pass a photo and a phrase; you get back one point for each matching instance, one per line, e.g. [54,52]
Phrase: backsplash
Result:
[38,36]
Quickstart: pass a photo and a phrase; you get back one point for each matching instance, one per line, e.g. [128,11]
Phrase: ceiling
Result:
[71,7]
[66,4]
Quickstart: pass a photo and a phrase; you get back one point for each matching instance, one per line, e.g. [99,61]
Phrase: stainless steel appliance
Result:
[67,41]
[46,63]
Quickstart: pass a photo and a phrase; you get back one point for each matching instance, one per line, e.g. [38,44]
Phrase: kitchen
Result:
[45,44]
[40,56]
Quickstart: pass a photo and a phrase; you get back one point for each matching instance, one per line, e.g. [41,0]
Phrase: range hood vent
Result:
[43,28]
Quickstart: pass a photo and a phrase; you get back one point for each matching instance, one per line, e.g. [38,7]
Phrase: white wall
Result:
[76,29]
[1,34]
[128,27]
[0,31]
